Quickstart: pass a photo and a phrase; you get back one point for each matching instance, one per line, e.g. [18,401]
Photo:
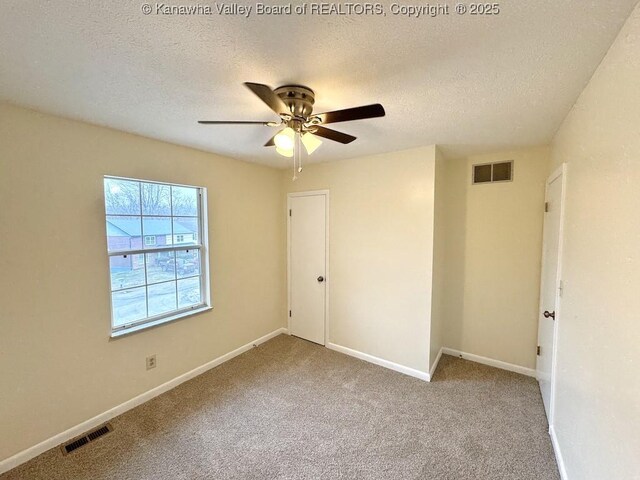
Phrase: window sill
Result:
[161,321]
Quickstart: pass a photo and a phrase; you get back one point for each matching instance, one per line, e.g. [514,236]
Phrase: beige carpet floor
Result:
[290,409]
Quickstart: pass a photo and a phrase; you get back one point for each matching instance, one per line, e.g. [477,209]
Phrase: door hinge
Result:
[546,207]
[538,350]
[289,312]
[289,212]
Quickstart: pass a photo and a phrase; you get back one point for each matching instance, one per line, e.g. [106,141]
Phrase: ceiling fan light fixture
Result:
[293,104]
[310,142]
[284,152]
[284,140]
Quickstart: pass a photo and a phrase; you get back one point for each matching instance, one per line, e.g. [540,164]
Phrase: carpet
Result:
[290,409]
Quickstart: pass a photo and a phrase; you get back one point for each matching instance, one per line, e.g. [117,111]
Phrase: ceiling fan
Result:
[294,105]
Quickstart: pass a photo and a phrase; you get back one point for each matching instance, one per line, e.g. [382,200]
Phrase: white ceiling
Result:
[471,84]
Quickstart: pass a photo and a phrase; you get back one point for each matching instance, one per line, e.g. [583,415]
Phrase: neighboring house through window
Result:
[153,278]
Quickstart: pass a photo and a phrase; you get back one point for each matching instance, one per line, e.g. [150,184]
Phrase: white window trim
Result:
[203,249]
[161,321]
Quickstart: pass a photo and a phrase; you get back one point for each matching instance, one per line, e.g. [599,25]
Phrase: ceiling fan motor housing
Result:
[298,98]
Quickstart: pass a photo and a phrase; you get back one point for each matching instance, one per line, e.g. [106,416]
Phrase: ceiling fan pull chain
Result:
[298,151]
[295,170]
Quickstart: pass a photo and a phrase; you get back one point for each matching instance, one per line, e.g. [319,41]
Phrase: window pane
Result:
[157,231]
[121,197]
[185,201]
[156,199]
[126,271]
[123,233]
[129,305]
[160,267]
[185,231]
[189,292]
[187,263]
[162,298]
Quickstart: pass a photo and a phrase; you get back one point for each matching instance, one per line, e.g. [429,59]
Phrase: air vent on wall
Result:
[86,438]
[493,172]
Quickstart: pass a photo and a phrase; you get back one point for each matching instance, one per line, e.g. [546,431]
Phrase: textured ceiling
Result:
[469,83]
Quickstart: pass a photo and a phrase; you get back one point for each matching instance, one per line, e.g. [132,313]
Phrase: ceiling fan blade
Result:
[356,113]
[271,142]
[273,101]
[332,135]
[231,122]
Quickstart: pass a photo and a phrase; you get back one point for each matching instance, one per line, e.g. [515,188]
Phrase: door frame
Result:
[560,171]
[327,275]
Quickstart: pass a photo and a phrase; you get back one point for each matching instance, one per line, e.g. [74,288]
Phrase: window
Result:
[493,172]
[179,238]
[153,279]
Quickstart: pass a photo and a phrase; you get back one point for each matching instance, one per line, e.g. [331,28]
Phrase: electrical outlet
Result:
[151,362]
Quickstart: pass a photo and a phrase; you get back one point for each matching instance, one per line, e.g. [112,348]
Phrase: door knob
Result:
[549,314]
[321,278]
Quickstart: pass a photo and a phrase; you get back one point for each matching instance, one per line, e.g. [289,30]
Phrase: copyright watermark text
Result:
[409,10]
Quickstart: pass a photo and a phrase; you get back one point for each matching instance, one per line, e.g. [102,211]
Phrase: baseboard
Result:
[556,450]
[380,362]
[491,362]
[31,452]
[435,365]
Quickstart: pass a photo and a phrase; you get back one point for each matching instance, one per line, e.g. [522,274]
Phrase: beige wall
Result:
[597,409]
[493,251]
[57,364]
[440,267]
[381,247]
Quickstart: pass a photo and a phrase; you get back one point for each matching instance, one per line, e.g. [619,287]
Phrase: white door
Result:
[307,265]
[550,285]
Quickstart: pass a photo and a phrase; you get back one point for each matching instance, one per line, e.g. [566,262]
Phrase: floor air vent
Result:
[86,438]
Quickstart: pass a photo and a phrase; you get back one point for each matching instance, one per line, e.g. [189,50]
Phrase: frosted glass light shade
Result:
[284,152]
[310,142]
[284,139]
